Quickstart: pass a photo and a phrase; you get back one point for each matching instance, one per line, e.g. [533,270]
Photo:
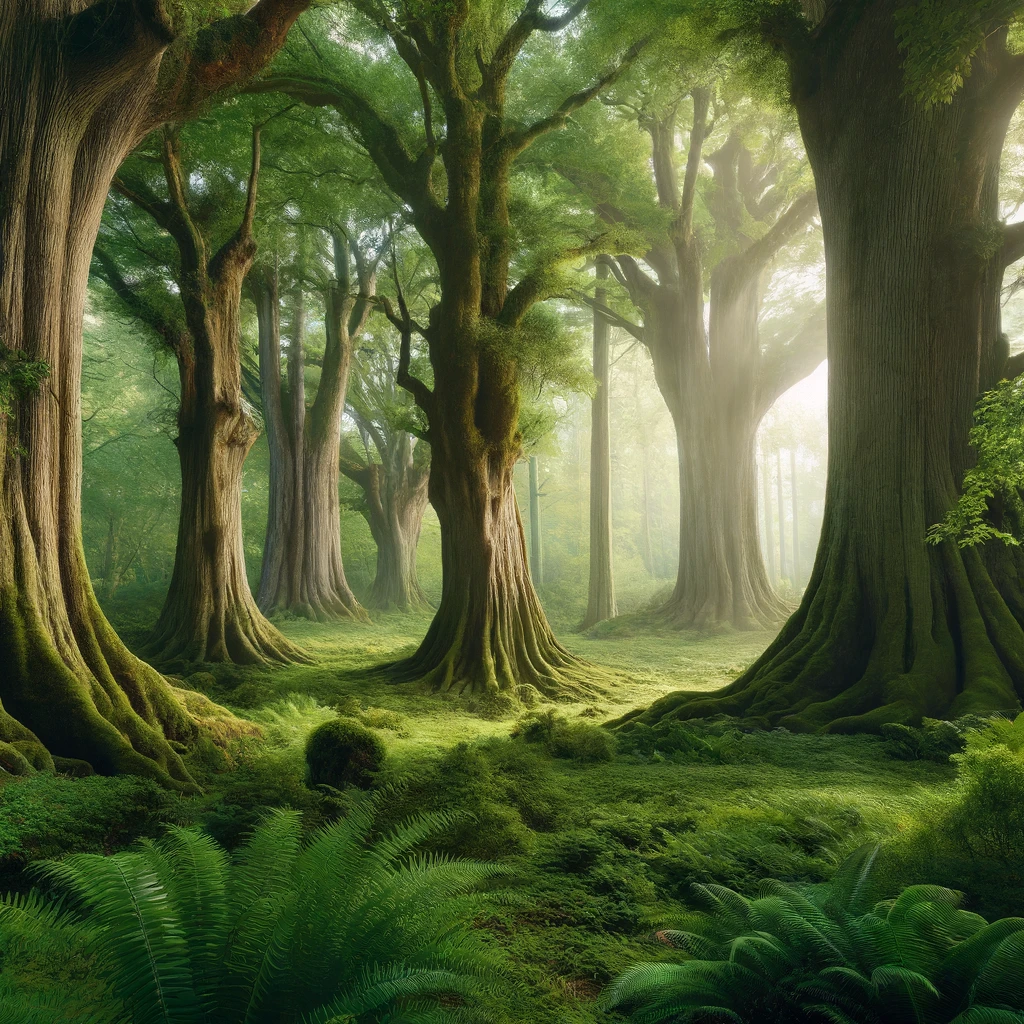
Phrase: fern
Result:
[822,953]
[335,930]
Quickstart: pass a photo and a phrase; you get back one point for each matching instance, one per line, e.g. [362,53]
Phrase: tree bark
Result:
[891,629]
[209,613]
[396,499]
[781,501]
[769,529]
[536,528]
[74,92]
[303,573]
[601,589]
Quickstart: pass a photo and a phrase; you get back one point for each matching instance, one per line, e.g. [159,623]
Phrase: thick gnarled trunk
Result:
[891,629]
[68,686]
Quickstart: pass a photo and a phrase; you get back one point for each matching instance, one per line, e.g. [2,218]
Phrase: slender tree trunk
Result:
[796,519]
[303,573]
[209,613]
[396,498]
[68,686]
[783,564]
[891,629]
[601,590]
[769,529]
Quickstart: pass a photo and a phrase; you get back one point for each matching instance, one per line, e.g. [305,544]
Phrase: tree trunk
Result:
[601,590]
[303,573]
[796,519]
[721,576]
[891,629]
[68,686]
[781,501]
[396,498]
[489,634]
[769,529]
[209,613]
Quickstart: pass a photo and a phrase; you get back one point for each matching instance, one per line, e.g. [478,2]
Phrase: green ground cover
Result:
[605,832]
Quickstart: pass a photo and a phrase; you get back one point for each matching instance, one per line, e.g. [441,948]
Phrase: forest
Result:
[511,511]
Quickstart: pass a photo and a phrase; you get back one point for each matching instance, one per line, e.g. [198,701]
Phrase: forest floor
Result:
[607,837]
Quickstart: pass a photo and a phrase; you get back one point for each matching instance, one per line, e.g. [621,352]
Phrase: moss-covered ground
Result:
[606,834]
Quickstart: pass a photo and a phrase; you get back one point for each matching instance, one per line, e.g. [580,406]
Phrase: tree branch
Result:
[782,366]
[109,272]
[423,396]
[228,52]
[1013,244]
[515,143]
[799,214]
[611,317]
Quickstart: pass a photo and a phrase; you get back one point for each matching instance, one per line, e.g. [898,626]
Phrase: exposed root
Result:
[940,647]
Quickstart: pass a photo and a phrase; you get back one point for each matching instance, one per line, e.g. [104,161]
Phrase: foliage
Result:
[343,753]
[932,740]
[45,815]
[576,741]
[19,378]
[940,38]
[332,929]
[818,953]
[997,476]
[987,819]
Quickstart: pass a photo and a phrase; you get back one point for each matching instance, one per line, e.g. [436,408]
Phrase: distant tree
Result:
[81,84]
[303,571]
[601,588]
[713,235]
[391,465]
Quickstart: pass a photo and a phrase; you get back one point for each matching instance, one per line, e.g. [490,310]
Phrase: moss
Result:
[575,741]
[343,753]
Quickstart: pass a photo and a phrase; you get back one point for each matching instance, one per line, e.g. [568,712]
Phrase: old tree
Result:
[458,118]
[80,85]
[892,629]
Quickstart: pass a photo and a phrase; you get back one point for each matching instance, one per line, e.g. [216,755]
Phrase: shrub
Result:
[988,817]
[817,953]
[576,741]
[931,741]
[998,731]
[343,753]
[180,932]
[45,815]
[694,742]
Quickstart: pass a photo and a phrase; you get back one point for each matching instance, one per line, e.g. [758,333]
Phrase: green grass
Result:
[605,851]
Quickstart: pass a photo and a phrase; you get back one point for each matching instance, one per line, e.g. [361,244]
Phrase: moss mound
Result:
[343,753]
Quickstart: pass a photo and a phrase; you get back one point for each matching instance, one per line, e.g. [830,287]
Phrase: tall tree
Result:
[209,614]
[303,572]
[716,236]
[453,163]
[393,471]
[81,84]
[891,629]
[601,589]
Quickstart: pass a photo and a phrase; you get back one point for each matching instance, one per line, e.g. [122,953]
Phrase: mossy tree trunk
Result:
[489,633]
[78,90]
[209,614]
[303,572]
[891,629]
[717,386]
